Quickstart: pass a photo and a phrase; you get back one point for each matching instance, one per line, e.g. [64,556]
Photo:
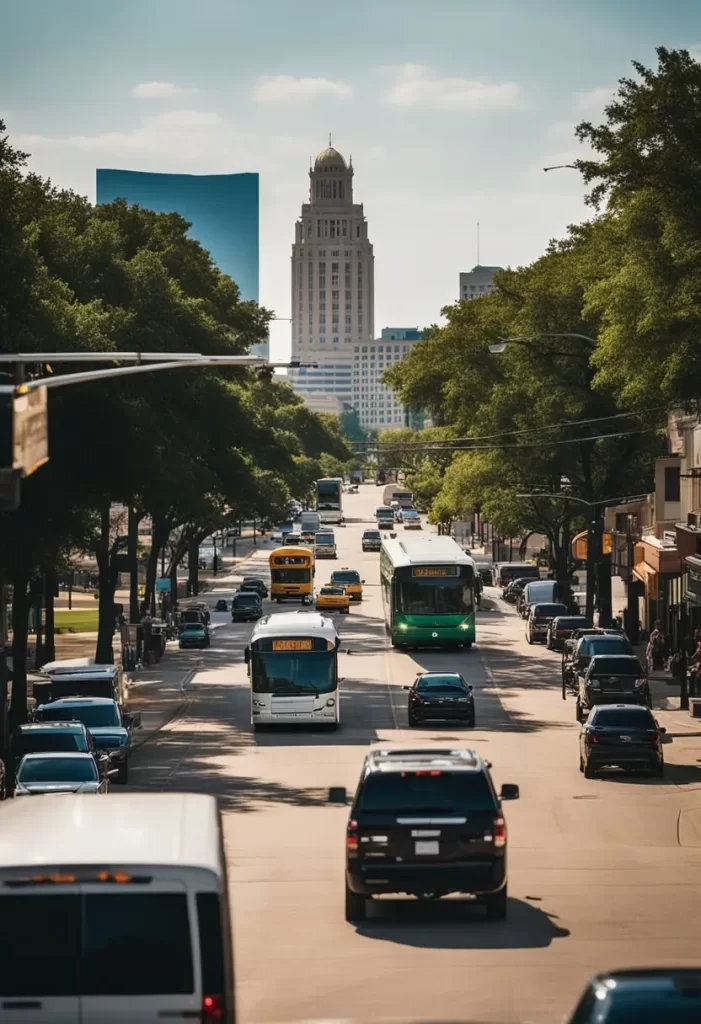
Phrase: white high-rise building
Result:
[477,282]
[377,405]
[333,282]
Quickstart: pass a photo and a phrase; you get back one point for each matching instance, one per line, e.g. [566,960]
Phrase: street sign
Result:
[163,585]
[30,434]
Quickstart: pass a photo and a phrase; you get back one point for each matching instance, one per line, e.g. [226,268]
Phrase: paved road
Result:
[603,873]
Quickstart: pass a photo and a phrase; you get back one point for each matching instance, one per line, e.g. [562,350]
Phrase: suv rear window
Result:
[39,743]
[345,577]
[449,792]
[132,944]
[248,597]
[624,718]
[616,667]
[605,645]
[548,611]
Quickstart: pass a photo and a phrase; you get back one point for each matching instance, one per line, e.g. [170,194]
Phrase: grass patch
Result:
[80,621]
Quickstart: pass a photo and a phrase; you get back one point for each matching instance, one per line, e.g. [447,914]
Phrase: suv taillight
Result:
[352,837]
[499,831]
[212,1008]
[639,683]
[594,736]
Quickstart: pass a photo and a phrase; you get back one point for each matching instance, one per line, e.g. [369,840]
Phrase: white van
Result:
[309,522]
[81,677]
[114,910]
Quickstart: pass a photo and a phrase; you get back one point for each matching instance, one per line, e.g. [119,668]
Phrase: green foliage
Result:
[350,426]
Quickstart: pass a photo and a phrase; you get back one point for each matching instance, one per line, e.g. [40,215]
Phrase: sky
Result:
[449,108]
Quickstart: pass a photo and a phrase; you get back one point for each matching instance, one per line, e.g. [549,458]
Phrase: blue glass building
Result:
[223,210]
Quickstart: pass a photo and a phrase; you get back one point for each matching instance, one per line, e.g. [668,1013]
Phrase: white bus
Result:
[329,499]
[293,667]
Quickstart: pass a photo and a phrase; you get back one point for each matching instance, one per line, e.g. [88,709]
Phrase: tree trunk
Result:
[193,560]
[20,631]
[159,535]
[104,654]
[133,555]
[50,624]
[4,674]
[36,591]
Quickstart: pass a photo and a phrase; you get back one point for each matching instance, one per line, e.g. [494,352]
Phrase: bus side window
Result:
[247,655]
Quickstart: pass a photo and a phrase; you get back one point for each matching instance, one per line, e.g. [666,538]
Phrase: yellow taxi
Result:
[350,579]
[333,599]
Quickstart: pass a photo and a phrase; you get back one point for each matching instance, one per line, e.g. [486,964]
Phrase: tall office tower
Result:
[333,284]
[223,210]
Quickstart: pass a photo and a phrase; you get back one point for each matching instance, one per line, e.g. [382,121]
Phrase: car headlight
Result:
[403,625]
[464,625]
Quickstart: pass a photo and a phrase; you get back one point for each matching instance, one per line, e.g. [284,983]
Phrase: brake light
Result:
[640,682]
[594,736]
[431,773]
[212,1008]
[352,837]
[499,831]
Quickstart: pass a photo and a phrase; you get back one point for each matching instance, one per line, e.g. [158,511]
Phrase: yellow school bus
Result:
[292,574]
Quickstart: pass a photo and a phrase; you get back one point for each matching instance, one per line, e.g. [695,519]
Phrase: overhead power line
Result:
[508,433]
[501,447]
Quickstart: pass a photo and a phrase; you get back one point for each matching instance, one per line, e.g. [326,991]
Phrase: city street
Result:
[603,872]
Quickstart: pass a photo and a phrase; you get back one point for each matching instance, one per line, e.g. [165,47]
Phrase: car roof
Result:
[70,702]
[53,755]
[397,759]
[617,657]
[178,829]
[71,726]
[642,708]
[437,672]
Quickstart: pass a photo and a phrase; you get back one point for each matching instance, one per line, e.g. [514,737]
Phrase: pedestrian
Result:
[679,673]
[655,647]
[695,672]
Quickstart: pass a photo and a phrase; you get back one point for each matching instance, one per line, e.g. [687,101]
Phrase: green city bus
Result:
[427,592]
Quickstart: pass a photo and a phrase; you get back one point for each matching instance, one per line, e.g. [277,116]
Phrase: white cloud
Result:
[415,86]
[159,91]
[592,103]
[293,89]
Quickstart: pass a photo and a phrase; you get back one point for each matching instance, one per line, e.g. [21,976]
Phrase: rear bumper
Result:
[594,699]
[462,714]
[625,759]
[477,877]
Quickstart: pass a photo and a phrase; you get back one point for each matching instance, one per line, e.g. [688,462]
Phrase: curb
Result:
[178,710]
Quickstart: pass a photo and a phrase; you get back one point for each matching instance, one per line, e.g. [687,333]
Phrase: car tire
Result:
[578,711]
[528,638]
[123,775]
[471,722]
[496,904]
[588,771]
[413,721]
[658,770]
[581,763]
[356,906]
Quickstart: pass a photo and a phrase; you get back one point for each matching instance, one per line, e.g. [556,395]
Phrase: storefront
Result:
[657,565]
[692,593]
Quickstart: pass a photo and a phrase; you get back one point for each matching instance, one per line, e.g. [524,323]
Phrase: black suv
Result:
[426,822]
[621,736]
[254,583]
[612,679]
[246,606]
[55,737]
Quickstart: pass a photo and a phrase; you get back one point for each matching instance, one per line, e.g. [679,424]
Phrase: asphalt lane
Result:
[603,873]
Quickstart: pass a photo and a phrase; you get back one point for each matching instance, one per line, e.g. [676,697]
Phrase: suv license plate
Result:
[424,848]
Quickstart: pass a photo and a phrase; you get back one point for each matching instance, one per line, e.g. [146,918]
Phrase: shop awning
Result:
[649,577]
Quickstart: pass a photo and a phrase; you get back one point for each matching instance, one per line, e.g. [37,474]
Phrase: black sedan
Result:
[644,996]
[255,583]
[440,696]
[621,736]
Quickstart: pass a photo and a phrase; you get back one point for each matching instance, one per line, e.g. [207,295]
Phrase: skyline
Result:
[439,140]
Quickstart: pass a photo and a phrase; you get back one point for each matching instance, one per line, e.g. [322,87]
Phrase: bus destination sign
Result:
[435,570]
[293,645]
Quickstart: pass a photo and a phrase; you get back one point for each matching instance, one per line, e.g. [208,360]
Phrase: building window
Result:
[335,341]
[344,226]
[334,253]
[334,295]
[672,483]
[357,231]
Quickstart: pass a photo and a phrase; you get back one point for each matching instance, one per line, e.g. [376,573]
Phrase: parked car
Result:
[536,591]
[612,679]
[621,736]
[513,590]
[388,852]
[411,520]
[649,995]
[541,615]
[59,772]
[109,727]
[371,540]
[42,737]
[193,635]
[440,696]
[246,606]
[254,583]
[562,628]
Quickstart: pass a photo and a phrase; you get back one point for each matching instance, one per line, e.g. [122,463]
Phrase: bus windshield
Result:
[293,674]
[290,575]
[447,595]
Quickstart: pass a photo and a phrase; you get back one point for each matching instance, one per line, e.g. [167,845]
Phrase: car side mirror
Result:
[509,791]
[362,581]
[487,764]
[406,687]
[247,655]
[338,795]
[663,731]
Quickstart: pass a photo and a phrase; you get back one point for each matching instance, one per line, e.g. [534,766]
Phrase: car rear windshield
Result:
[372,535]
[605,645]
[58,769]
[325,538]
[624,718]
[548,611]
[653,1008]
[333,591]
[346,577]
[91,715]
[112,944]
[39,742]
[616,667]
[247,598]
[444,792]
[441,683]
[565,623]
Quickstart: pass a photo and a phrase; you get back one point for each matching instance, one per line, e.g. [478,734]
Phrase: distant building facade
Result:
[377,405]
[223,210]
[333,281]
[477,282]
